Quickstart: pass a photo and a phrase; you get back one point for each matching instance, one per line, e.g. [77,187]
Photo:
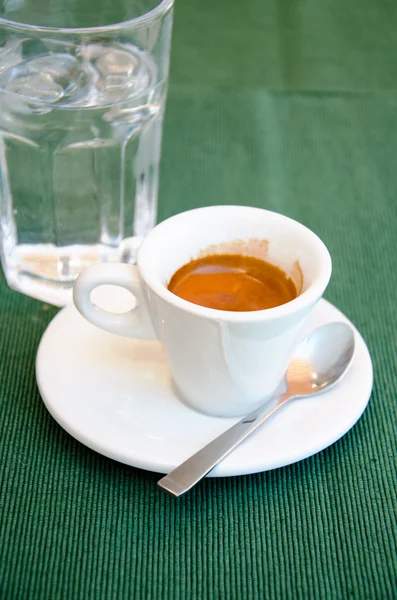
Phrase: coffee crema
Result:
[233,282]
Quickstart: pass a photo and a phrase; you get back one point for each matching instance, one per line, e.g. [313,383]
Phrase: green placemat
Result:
[289,45]
[75,525]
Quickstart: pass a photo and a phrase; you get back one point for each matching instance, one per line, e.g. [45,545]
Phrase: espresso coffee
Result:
[233,282]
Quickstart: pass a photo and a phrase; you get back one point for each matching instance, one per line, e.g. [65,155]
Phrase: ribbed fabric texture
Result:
[75,525]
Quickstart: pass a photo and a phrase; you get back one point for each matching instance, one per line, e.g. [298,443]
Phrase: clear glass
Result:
[82,92]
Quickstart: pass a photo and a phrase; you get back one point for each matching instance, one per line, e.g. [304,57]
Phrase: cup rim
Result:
[162,7]
[312,294]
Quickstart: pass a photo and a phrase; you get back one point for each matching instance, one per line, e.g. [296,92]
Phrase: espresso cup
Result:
[222,363]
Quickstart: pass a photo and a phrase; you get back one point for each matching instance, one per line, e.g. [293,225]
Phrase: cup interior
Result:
[234,230]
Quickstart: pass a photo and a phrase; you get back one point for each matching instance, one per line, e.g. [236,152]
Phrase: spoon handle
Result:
[186,475]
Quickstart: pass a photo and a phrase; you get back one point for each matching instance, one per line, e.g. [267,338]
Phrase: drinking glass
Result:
[82,92]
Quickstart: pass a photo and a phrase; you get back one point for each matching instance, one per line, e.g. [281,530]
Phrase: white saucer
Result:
[114,395]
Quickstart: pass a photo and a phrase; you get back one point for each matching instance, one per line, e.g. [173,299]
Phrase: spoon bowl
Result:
[321,359]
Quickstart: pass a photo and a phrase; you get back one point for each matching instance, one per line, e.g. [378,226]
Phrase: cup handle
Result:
[135,323]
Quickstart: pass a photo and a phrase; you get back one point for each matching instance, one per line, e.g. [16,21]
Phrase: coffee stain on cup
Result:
[253,247]
[296,275]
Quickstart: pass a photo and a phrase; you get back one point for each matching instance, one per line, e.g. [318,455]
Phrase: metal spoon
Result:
[321,359]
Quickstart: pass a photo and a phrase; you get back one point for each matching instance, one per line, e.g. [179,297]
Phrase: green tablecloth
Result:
[290,106]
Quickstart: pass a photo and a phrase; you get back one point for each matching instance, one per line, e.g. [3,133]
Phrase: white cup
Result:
[223,363]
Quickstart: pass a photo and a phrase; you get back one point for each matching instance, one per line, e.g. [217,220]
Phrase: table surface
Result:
[289,106]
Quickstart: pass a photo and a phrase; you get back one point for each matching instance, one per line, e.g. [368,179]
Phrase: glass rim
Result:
[151,15]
